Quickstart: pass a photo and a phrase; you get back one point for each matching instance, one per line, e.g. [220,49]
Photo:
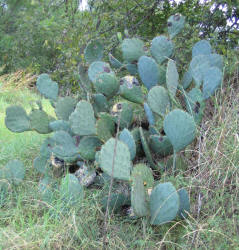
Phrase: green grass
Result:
[26,222]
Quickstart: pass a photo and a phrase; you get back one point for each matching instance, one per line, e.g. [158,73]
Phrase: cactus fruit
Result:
[126,137]
[148,71]
[180,128]
[202,47]
[164,203]
[119,157]
[93,51]
[158,100]
[132,49]
[82,120]
[48,88]
[161,48]
[130,89]
[64,107]
[172,78]
[16,119]
[175,25]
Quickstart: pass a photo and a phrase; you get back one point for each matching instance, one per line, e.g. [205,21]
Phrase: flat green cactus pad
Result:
[180,128]
[184,205]
[125,111]
[146,149]
[48,88]
[82,120]
[16,119]
[71,190]
[148,71]
[45,150]
[115,63]
[164,203]
[14,171]
[138,197]
[132,68]
[93,51]
[40,164]
[187,78]
[136,135]
[161,145]
[175,25]
[88,146]
[149,114]
[202,47]
[161,48]
[172,78]
[97,68]
[126,137]
[158,100]
[100,103]
[60,125]
[63,146]
[46,189]
[122,163]
[117,201]
[215,61]
[211,81]
[105,126]
[132,49]
[195,104]
[145,173]
[131,90]
[64,107]
[199,65]
[39,121]
[107,84]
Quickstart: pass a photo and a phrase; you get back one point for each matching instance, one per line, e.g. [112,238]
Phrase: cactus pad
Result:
[114,62]
[107,84]
[211,81]
[48,88]
[100,103]
[164,203]
[93,51]
[82,120]
[14,171]
[39,121]
[122,163]
[160,145]
[60,125]
[105,127]
[172,78]
[40,164]
[132,49]
[88,146]
[132,68]
[64,107]
[126,137]
[97,68]
[148,71]
[161,48]
[71,190]
[158,100]
[130,89]
[187,78]
[202,47]
[175,25]
[184,204]
[180,128]
[16,119]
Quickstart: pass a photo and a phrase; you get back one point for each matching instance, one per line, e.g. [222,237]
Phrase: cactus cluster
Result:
[142,105]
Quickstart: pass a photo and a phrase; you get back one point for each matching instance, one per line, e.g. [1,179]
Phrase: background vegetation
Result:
[49,36]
